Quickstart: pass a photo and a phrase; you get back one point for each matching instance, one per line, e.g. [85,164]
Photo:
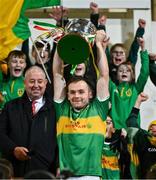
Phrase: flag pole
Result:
[41,60]
[62,21]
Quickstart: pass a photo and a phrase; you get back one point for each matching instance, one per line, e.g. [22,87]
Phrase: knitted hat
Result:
[152,123]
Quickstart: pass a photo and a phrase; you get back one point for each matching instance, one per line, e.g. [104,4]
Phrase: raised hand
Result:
[101,38]
[141,98]
[94,8]
[142,23]
[57,12]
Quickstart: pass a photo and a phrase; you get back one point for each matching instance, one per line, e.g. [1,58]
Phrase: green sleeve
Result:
[132,119]
[58,108]
[144,72]
[102,106]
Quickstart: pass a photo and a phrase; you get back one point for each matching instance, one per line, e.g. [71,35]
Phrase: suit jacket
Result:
[37,133]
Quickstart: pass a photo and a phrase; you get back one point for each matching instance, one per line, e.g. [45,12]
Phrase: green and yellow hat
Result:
[152,123]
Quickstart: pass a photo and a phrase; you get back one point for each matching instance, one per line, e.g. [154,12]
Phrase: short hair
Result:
[117,45]
[37,68]
[16,53]
[75,79]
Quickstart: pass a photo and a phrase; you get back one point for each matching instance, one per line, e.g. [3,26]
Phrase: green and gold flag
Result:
[14,27]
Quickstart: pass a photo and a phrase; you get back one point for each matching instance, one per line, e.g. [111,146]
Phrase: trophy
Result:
[73,42]
[74,47]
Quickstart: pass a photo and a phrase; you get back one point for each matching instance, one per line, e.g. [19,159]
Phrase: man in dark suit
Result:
[27,135]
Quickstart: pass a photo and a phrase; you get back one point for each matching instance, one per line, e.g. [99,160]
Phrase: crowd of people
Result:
[83,125]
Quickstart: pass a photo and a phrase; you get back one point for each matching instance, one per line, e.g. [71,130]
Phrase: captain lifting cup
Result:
[74,47]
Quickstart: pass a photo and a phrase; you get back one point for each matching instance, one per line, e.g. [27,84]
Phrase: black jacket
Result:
[19,128]
[152,68]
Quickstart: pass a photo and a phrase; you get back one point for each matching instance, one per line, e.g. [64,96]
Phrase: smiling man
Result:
[13,87]
[27,132]
[81,118]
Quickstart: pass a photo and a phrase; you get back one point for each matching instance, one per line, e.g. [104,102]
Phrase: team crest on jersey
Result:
[129,92]
[20,92]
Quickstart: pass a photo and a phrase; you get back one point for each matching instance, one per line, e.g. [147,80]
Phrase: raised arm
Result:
[94,16]
[59,82]
[103,81]
[60,14]
[144,71]
[132,119]
[133,53]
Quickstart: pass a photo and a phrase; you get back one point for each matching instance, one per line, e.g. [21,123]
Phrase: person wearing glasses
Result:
[118,52]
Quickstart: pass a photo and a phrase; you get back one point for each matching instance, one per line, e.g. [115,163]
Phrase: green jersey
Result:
[12,89]
[80,137]
[110,165]
[124,95]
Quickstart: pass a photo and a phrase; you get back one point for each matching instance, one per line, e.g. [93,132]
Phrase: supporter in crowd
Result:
[123,95]
[115,155]
[96,19]
[44,51]
[80,118]
[27,127]
[142,142]
[13,86]
[118,52]
[100,23]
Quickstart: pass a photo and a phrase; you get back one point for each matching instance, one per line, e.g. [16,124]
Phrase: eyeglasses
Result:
[119,52]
